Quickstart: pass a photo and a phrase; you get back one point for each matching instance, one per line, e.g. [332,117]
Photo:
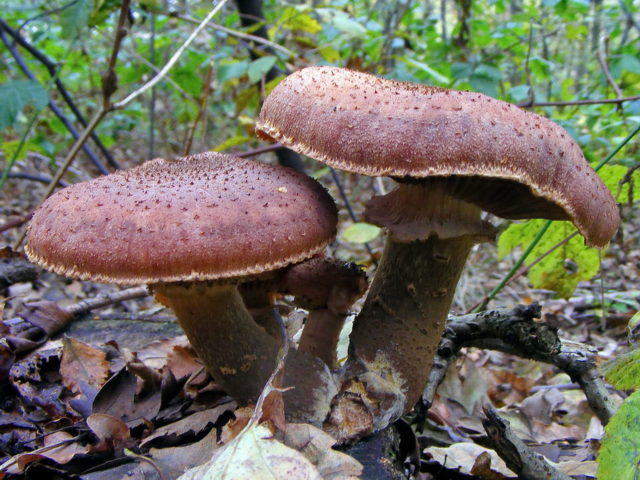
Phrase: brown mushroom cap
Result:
[508,161]
[202,217]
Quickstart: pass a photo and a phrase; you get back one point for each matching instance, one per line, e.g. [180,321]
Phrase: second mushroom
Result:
[453,154]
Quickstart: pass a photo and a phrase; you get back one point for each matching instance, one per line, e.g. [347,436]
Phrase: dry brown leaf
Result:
[82,363]
[47,315]
[112,432]
[156,354]
[194,424]
[174,461]
[463,457]
[183,362]
[60,447]
[235,426]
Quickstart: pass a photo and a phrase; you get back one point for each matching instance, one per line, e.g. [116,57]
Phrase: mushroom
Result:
[324,286]
[194,229]
[454,155]
[327,288]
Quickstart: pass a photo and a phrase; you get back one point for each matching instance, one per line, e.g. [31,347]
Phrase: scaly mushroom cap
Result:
[510,162]
[202,217]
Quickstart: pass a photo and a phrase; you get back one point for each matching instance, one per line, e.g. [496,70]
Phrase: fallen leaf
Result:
[112,432]
[60,447]
[191,426]
[183,362]
[82,363]
[47,315]
[174,461]
[463,456]
[255,453]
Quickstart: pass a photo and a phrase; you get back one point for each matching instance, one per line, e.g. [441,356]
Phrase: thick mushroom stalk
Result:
[395,336]
[235,350]
[239,354]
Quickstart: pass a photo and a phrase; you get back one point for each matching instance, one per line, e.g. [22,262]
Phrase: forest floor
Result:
[120,394]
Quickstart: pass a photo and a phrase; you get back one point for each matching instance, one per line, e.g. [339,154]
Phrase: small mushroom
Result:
[454,154]
[325,287]
[193,229]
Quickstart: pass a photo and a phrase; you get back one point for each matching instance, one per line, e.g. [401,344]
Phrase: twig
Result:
[521,459]
[106,299]
[34,178]
[201,111]
[514,331]
[515,267]
[602,60]
[258,151]
[236,33]
[172,61]
[523,271]
[16,222]
[619,100]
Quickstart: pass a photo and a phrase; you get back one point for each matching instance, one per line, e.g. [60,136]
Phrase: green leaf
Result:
[16,95]
[437,76]
[231,142]
[293,19]
[519,92]
[562,269]
[75,17]
[229,71]
[612,175]
[259,67]
[623,372]
[329,53]
[619,456]
[360,232]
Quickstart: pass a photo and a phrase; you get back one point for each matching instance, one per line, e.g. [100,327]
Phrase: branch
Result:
[619,100]
[238,34]
[514,331]
[172,61]
[521,459]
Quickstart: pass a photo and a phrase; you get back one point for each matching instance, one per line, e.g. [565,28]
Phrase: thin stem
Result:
[515,266]
[352,215]
[531,103]
[172,61]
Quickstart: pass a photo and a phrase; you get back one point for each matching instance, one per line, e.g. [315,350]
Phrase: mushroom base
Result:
[396,335]
[241,356]
[238,354]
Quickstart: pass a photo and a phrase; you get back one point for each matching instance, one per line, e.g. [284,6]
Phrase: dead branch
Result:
[528,464]
[515,331]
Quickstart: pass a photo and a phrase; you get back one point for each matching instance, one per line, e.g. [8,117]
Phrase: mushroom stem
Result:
[398,330]
[396,334]
[321,334]
[238,353]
